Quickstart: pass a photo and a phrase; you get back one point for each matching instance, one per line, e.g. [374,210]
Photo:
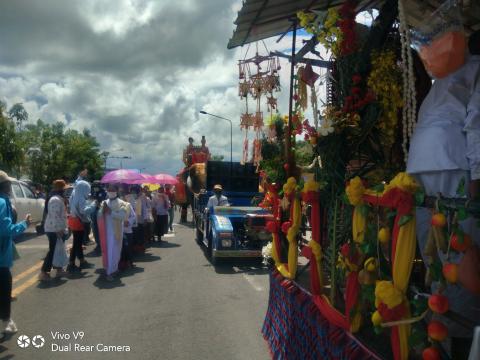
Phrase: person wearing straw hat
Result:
[217,199]
[55,227]
[8,230]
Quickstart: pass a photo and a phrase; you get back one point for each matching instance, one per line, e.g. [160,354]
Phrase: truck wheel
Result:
[213,259]
[199,236]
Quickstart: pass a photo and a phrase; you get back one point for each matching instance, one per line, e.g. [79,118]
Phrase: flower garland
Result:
[310,132]
[307,21]
[358,97]
[409,94]
[383,81]
[339,119]
[330,35]
[349,44]
[337,33]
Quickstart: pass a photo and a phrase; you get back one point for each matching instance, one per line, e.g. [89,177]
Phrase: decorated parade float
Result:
[389,268]
[194,158]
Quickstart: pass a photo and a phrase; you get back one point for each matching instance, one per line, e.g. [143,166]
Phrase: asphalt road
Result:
[173,305]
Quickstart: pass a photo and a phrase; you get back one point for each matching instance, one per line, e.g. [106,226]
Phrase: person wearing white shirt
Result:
[217,199]
[55,227]
[126,258]
[160,205]
[149,219]
[445,151]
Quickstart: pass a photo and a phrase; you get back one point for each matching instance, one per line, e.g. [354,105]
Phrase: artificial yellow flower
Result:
[355,191]
[388,294]
[403,181]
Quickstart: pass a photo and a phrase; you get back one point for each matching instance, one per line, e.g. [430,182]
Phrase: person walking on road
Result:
[171,210]
[126,257]
[55,228]
[8,230]
[82,176]
[149,219]
[87,226]
[80,212]
[112,218]
[99,194]
[141,215]
[160,205]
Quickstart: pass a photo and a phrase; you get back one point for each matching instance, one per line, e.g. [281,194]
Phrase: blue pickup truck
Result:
[237,230]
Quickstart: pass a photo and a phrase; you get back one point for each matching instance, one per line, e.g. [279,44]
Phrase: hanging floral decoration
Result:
[346,23]
[384,81]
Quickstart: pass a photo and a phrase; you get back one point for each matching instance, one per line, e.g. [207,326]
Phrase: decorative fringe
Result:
[294,328]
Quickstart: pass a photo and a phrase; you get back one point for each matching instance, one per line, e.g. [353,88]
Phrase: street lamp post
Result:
[118,157]
[105,154]
[231,137]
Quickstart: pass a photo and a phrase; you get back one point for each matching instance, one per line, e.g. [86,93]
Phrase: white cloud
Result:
[136,73]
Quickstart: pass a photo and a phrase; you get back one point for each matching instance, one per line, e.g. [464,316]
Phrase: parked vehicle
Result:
[237,230]
[25,202]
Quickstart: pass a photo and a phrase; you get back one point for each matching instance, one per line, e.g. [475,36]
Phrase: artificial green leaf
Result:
[419,304]
[391,215]
[352,312]
[364,247]
[417,337]
[404,219]
[462,214]
[436,270]
[461,188]
[442,208]
[378,188]
[363,209]
[368,293]
[419,198]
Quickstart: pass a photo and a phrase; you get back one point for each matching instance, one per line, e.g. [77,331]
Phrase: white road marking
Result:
[45,246]
[251,280]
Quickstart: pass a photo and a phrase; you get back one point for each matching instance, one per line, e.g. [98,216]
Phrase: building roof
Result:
[261,19]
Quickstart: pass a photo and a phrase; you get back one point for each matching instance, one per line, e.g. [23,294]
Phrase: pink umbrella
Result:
[164,179]
[121,176]
[145,179]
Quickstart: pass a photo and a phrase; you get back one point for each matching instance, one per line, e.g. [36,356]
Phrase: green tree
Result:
[18,112]
[56,152]
[217,157]
[11,152]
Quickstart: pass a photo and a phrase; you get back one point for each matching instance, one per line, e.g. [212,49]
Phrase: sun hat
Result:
[59,185]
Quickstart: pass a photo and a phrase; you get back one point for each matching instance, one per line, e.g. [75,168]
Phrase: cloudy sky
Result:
[134,72]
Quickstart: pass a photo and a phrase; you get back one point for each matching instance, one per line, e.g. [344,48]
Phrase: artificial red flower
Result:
[345,249]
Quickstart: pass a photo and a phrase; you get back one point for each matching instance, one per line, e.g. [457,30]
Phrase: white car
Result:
[25,202]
